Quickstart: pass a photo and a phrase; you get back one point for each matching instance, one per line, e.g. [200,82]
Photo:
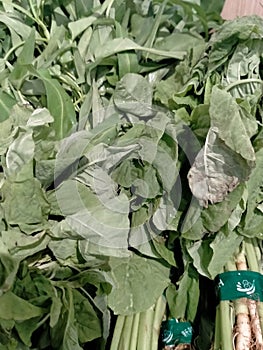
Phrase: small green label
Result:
[174,332]
[233,285]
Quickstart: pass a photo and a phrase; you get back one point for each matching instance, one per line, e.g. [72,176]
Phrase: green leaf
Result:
[6,135]
[180,42]
[20,153]
[132,277]
[127,61]
[55,311]
[216,215]
[16,308]
[59,104]
[101,220]
[88,323]
[15,24]
[141,27]
[98,111]
[77,27]
[24,59]
[64,334]
[254,187]
[20,245]
[201,253]
[224,247]
[6,104]
[133,94]
[228,120]
[25,202]
[183,298]
[65,250]
[40,117]
[163,251]
[8,270]
[53,48]
[119,45]
[25,329]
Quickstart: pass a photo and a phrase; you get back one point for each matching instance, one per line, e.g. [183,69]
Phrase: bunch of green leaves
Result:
[105,107]
[222,94]
[89,163]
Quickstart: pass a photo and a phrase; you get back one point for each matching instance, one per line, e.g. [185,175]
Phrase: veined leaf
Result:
[59,104]
[133,94]
[124,44]
[128,295]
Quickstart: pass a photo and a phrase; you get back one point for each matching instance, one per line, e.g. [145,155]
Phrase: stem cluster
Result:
[139,331]
[239,322]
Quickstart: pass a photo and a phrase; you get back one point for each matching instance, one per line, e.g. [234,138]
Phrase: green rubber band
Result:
[174,332]
[234,285]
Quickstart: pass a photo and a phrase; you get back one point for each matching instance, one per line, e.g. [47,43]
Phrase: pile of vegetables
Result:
[130,174]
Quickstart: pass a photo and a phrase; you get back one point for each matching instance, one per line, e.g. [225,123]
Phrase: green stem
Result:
[251,256]
[159,312]
[243,81]
[225,325]
[145,329]
[134,332]
[259,257]
[106,6]
[39,21]
[14,48]
[257,252]
[217,339]
[117,332]
[126,333]
[28,14]
[252,249]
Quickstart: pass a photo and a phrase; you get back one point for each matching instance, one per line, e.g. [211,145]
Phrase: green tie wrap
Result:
[174,332]
[234,285]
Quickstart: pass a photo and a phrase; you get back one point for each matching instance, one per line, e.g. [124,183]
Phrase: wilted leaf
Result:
[217,170]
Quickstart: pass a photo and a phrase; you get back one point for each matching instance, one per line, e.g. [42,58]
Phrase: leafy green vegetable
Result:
[130,143]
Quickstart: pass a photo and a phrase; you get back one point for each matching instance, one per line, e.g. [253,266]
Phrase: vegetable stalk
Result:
[139,331]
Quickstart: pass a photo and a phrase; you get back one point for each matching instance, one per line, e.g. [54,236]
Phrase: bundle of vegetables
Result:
[239,313]
[105,107]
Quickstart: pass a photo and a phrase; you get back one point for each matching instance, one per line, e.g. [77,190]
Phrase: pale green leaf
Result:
[226,119]
[132,277]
